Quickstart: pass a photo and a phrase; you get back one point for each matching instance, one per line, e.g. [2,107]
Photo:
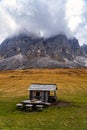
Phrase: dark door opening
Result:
[37,94]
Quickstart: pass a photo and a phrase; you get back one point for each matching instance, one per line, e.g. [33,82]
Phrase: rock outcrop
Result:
[30,51]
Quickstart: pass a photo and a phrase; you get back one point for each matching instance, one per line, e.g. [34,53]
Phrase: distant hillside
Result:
[30,51]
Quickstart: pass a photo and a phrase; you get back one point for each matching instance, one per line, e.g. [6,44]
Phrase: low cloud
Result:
[43,17]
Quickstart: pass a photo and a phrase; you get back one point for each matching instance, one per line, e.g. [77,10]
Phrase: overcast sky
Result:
[44,17]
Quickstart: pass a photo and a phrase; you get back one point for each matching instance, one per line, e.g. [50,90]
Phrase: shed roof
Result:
[43,87]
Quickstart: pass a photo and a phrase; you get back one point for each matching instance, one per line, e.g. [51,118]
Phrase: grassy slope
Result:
[72,87]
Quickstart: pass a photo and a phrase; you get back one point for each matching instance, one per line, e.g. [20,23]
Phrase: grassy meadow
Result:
[72,88]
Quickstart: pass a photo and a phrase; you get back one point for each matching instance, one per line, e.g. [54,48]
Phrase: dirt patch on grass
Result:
[61,104]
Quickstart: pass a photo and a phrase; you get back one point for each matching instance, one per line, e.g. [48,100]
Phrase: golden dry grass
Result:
[15,83]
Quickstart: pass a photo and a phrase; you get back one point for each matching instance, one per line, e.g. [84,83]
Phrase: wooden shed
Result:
[43,92]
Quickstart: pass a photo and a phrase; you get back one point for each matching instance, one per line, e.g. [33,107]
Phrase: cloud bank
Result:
[44,17]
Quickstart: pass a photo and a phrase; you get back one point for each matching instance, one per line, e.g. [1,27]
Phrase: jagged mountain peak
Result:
[84,48]
[60,50]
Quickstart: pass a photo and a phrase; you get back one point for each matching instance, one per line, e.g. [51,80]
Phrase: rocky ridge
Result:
[30,51]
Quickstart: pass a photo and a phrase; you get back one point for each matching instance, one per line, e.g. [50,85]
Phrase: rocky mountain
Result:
[30,51]
[84,48]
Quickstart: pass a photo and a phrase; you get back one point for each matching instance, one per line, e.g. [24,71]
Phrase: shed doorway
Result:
[37,94]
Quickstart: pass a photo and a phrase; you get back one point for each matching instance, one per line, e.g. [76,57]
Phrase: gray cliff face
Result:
[84,48]
[75,48]
[30,51]
[16,45]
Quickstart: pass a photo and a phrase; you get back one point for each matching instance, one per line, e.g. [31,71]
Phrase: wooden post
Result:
[45,96]
[31,95]
[42,96]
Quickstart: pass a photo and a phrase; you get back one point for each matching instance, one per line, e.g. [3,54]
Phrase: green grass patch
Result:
[72,89]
